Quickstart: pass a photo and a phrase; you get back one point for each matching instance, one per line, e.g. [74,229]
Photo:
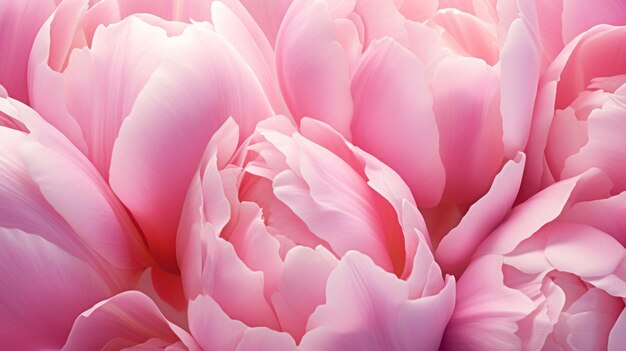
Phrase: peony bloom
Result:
[312,174]
[298,237]
[397,80]
[550,277]
[66,241]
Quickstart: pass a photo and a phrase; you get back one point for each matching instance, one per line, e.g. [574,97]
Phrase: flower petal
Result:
[520,68]
[312,67]
[457,247]
[393,118]
[470,134]
[367,308]
[20,22]
[130,316]
[302,287]
[177,129]
[39,298]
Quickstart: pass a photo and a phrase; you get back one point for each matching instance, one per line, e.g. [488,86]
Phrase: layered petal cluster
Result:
[550,277]
[298,237]
[579,119]
[127,88]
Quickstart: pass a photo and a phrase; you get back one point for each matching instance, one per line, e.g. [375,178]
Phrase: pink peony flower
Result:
[550,277]
[299,237]
[312,174]
[388,83]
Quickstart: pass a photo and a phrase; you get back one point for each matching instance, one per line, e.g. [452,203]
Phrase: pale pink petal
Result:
[214,330]
[312,67]
[347,34]
[87,204]
[48,55]
[580,15]
[235,287]
[486,310]
[395,205]
[393,118]
[176,125]
[617,337]
[369,309]
[425,278]
[255,246]
[131,316]
[206,204]
[542,208]
[606,148]
[19,23]
[211,327]
[302,287]
[599,52]
[39,299]
[381,18]
[174,10]
[345,217]
[567,136]
[468,35]
[52,190]
[608,215]
[470,127]
[397,208]
[279,219]
[231,20]
[268,14]
[457,247]
[585,251]
[102,82]
[418,10]
[592,318]
[21,203]
[266,339]
[520,69]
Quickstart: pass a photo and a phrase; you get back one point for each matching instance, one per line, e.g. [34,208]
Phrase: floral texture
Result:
[312,175]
